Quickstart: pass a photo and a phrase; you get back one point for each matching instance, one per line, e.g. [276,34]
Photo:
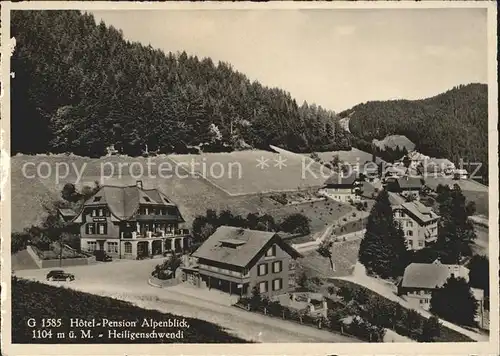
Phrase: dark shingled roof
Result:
[246,244]
[410,183]
[123,201]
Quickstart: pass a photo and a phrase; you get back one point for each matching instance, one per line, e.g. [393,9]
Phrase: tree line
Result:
[80,87]
[451,125]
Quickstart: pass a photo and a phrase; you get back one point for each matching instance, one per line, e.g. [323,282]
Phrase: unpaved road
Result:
[127,280]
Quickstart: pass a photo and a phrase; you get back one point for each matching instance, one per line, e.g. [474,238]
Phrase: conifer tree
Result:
[454,302]
[382,250]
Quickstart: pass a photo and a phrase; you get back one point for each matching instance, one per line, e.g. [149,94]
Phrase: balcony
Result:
[234,276]
[153,234]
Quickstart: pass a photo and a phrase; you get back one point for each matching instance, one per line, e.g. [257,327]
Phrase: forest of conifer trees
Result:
[452,125]
[80,87]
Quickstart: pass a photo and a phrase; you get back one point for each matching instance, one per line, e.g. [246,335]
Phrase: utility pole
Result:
[60,249]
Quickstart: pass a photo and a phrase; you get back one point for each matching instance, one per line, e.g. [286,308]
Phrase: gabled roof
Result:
[341,179]
[395,199]
[420,211]
[410,183]
[123,201]
[245,245]
[431,275]
[67,212]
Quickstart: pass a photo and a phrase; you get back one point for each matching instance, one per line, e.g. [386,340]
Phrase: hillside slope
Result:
[81,87]
[451,125]
[33,298]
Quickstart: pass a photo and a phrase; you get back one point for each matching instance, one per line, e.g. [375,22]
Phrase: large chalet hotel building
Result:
[131,222]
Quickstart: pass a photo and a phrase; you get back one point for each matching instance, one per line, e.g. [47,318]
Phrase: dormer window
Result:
[97,199]
[166,200]
[147,199]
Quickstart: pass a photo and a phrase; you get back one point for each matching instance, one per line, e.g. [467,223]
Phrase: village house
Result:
[436,167]
[420,279]
[342,188]
[235,260]
[460,174]
[406,186]
[131,222]
[418,222]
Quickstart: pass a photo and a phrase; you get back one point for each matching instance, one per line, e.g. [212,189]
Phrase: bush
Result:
[167,269]
[18,242]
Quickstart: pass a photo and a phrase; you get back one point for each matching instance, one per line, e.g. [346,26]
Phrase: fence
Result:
[360,331]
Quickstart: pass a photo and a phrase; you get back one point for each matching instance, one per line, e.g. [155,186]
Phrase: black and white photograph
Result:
[249,175]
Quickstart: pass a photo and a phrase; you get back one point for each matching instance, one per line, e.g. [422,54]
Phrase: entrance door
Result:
[101,245]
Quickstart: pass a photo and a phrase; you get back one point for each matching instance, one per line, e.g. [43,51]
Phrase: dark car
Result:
[60,275]
[102,256]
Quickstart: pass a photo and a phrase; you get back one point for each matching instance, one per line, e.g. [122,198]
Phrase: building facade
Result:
[345,189]
[131,222]
[408,187]
[236,260]
[418,222]
[421,279]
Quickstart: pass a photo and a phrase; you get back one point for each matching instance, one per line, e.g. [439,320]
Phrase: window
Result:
[97,199]
[128,247]
[291,283]
[147,199]
[101,212]
[262,269]
[93,212]
[271,252]
[91,246]
[263,287]
[409,233]
[113,247]
[420,243]
[291,266]
[421,292]
[277,284]
[90,229]
[410,243]
[277,266]
[102,229]
[409,224]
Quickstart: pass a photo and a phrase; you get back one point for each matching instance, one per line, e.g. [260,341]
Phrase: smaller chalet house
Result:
[436,166]
[419,223]
[420,279]
[342,188]
[406,186]
[235,260]
[130,222]
[460,174]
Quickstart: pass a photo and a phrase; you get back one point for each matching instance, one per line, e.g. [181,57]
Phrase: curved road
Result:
[127,280]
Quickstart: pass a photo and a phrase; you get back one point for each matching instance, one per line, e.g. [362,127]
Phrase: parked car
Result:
[60,275]
[102,256]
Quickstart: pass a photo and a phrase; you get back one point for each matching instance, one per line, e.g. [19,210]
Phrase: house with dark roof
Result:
[235,260]
[420,279]
[418,222]
[406,186]
[131,222]
[342,187]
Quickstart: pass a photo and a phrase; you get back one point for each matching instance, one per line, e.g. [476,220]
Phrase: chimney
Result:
[139,184]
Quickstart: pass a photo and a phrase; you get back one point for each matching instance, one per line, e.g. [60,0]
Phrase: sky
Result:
[335,58]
